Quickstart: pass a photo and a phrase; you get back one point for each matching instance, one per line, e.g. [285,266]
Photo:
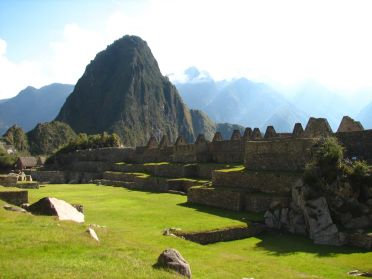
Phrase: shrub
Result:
[329,153]
[7,161]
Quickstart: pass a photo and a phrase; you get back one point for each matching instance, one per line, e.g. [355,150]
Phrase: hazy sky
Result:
[281,42]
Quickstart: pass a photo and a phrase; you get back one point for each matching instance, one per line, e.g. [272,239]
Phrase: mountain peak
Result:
[123,91]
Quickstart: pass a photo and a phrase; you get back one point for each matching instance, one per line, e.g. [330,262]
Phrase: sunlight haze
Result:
[283,43]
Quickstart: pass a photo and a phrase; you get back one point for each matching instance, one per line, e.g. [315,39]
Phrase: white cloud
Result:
[283,42]
[71,55]
[17,76]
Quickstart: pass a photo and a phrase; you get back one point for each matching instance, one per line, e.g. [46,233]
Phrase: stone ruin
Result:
[265,179]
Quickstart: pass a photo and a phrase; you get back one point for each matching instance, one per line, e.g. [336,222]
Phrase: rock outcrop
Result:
[172,259]
[55,207]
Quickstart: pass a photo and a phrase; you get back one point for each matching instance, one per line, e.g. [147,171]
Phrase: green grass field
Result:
[42,247]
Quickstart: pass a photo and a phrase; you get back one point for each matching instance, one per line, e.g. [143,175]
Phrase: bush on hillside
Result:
[7,161]
[83,141]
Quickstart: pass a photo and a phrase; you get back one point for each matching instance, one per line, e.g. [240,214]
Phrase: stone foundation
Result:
[14,197]
[224,234]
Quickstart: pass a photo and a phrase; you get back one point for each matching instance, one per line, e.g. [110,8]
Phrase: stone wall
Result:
[223,234]
[227,151]
[358,144]
[220,198]
[282,155]
[14,197]
[261,202]
[251,181]
[61,177]
[8,180]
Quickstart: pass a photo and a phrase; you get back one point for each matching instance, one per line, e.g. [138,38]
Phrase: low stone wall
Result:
[250,181]
[14,197]
[90,166]
[182,185]
[55,177]
[215,197]
[261,202]
[205,171]
[119,176]
[61,177]
[137,181]
[8,180]
[114,183]
[278,155]
[28,185]
[224,234]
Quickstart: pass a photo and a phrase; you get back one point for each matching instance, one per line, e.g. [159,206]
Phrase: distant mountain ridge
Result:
[241,101]
[32,106]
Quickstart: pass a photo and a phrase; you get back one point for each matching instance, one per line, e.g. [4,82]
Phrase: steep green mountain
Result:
[32,106]
[46,138]
[123,91]
[202,124]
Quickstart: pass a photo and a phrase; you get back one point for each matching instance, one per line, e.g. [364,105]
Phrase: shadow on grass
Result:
[280,244]
[241,216]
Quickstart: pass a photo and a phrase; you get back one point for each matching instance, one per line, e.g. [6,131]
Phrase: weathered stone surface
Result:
[362,240]
[256,134]
[298,130]
[317,127]
[217,137]
[349,125]
[8,180]
[56,207]
[266,182]
[171,258]
[287,219]
[236,135]
[221,198]
[14,197]
[320,225]
[290,154]
[257,202]
[270,132]
[322,230]
[247,134]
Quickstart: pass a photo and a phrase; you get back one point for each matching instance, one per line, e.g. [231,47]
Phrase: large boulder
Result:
[171,258]
[56,207]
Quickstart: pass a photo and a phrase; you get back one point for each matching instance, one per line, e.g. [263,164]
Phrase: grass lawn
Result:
[42,247]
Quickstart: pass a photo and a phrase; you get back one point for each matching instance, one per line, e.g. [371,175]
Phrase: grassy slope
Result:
[41,247]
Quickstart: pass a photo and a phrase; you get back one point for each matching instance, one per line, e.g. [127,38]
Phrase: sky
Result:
[284,43]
